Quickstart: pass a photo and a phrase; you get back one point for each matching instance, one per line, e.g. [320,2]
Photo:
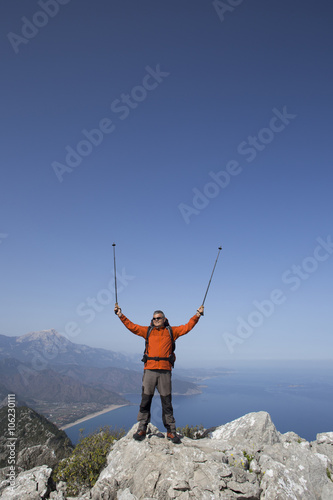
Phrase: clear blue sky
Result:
[214,128]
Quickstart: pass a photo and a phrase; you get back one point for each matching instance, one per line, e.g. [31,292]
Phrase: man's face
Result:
[158,320]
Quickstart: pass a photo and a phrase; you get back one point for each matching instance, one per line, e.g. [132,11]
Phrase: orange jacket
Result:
[160,344]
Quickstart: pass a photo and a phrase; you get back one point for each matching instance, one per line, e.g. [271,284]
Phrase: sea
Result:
[298,396]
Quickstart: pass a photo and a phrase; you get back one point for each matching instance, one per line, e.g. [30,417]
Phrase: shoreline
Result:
[91,415]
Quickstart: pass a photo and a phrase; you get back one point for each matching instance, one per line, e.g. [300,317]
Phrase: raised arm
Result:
[178,331]
[132,327]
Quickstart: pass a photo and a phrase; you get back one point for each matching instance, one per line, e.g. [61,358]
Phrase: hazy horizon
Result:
[211,364]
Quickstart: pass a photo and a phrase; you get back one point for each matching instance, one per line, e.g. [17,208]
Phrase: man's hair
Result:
[159,312]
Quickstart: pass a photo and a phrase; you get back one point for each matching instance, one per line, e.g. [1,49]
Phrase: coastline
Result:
[92,415]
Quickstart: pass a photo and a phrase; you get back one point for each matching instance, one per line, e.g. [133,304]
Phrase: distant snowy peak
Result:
[45,336]
[50,347]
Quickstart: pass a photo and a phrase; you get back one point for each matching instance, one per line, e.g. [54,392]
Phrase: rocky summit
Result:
[245,459]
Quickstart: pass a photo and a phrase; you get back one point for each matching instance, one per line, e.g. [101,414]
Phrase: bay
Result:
[298,398]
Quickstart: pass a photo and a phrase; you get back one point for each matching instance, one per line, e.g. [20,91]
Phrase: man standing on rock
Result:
[158,358]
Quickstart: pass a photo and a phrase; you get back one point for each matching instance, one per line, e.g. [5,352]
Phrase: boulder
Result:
[32,484]
[247,459]
[156,468]
[325,438]
[295,473]
[324,446]
[252,431]
[244,459]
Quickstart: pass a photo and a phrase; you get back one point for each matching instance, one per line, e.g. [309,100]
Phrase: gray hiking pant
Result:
[162,380]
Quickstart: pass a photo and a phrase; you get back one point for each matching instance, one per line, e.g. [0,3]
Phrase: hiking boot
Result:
[172,436]
[139,435]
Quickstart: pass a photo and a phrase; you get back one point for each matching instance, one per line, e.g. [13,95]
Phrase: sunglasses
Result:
[158,318]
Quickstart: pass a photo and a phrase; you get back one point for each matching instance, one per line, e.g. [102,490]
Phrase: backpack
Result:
[171,358]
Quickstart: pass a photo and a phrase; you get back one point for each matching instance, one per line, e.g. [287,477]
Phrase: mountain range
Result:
[49,347]
[37,440]
[66,381]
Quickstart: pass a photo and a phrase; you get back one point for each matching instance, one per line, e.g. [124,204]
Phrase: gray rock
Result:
[60,494]
[324,446]
[244,459]
[247,490]
[325,438]
[290,436]
[295,471]
[237,459]
[254,466]
[57,495]
[252,431]
[28,458]
[126,495]
[247,459]
[156,468]
[32,485]
[280,483]
[106,490]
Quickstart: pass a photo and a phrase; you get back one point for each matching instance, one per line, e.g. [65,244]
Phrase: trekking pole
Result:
[218,253]
[115,273]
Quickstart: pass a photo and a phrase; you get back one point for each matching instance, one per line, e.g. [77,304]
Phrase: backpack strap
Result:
[170,358]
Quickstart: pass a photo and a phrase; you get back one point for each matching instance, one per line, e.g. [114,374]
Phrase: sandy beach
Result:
[91,415]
